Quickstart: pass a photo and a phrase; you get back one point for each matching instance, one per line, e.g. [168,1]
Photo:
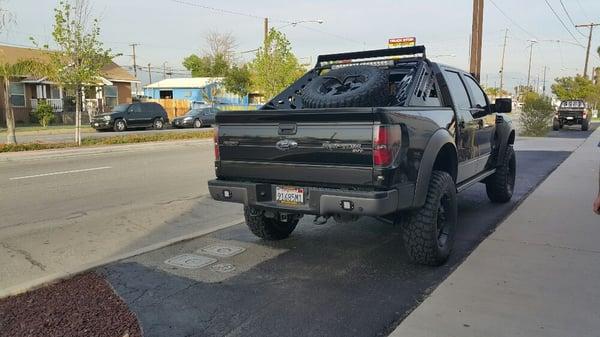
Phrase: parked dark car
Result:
[384,133]
[196,118]
[572,112]
[131,116]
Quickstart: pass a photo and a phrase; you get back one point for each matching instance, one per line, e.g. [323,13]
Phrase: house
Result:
[113,87]
[194,89]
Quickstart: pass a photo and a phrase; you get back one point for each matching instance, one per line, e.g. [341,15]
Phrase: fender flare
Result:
[439,139]
[506,136]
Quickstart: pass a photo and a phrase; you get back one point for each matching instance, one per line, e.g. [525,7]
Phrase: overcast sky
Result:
[168,30]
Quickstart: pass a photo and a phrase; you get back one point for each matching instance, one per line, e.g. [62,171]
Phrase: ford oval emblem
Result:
[286,144]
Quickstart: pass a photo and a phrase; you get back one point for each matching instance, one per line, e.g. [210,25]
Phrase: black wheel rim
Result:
[334,86]
[442,223]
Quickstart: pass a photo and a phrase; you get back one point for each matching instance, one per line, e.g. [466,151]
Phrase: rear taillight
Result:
[216,138]
[386,143]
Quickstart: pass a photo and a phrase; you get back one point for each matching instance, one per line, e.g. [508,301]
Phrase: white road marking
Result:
[61,172]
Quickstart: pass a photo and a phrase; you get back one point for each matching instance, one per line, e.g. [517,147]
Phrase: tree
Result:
[9,71]
[537,114]
[80,57]
[238,80]
[577,87]
[275,66]
[207,66]
[217,58]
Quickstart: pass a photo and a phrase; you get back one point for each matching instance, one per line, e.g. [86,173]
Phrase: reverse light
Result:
[216,139]
[386,143]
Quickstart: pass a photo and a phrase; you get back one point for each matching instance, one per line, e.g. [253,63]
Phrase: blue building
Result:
[194,89]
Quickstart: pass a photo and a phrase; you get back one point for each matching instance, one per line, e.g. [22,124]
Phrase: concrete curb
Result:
[58,276]
[92,150]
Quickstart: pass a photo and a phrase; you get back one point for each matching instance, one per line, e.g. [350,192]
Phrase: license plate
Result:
[289,195]
[569,117]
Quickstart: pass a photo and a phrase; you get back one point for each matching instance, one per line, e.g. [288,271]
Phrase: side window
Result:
[477,94]
[135,108]
[427,93]
[457,90]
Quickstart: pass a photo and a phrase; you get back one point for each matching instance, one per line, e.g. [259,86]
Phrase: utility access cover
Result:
[222,250]
[190,261]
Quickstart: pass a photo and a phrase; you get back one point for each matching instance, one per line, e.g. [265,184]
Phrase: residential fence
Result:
[174,107]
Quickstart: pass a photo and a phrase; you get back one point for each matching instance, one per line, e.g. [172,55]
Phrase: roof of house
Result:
[190,82]
[111,71]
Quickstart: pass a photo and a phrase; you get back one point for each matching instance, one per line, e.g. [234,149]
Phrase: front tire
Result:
[120,125]
[197,124]
[265,228]
[500,185]
[555,125]
[429,232]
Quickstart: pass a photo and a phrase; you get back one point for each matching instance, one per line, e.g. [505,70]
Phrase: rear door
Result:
[324,147]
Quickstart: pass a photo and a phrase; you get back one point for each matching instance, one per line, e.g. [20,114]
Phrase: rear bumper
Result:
[318,201]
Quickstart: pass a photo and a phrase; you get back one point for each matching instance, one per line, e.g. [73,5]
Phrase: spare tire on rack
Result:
[351,86]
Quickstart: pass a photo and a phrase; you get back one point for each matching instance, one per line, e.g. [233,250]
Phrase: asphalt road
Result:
[87,133]
[348,279]
[61,212]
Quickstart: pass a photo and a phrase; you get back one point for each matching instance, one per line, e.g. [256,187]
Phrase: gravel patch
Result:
[84,305]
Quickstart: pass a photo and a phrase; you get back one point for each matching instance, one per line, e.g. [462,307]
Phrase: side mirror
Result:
[502,105]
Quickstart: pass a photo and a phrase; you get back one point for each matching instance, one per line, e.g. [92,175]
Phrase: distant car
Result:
[572,112]
[196,118]
[131,116]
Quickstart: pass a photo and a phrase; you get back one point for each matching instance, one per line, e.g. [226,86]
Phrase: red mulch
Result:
[82,306]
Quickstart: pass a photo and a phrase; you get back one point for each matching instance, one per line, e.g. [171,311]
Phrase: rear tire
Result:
[555,124]
[585,125]
[500,185]
[268,228]
[429,232]
[158,124]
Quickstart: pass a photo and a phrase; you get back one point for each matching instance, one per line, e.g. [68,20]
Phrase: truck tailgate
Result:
[297,147]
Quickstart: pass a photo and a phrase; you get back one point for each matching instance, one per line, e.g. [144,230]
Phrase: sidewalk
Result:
[538,274]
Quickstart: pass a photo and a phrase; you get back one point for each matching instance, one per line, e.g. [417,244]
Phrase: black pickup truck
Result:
[572,112]
[383,133]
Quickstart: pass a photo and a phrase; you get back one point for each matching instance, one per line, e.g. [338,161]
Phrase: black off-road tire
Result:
[585,125]
[500,185]
[268,228]
[352,86]
[555,124]
[429,232]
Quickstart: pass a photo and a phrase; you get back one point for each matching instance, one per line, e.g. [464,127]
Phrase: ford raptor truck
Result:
[382,133]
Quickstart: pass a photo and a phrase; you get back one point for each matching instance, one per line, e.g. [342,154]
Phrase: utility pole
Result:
[134,65]
[149,74]
[266,32]
[587,53]
[531,43]
[502,62]
[544,85]
[476,38]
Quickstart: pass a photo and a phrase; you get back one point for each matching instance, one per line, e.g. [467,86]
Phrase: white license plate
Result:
[569,118]
[289,195]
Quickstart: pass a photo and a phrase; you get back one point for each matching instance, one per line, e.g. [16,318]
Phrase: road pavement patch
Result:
[332,280]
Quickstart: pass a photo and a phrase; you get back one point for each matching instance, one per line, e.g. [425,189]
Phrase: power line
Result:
[562,22]
[511,20]
[562,4]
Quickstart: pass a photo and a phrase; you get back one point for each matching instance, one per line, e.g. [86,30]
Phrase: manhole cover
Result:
[222,250]
[190,261]
[223,267]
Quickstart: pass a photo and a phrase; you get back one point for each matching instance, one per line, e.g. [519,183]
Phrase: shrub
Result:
[44,113]
[537,115]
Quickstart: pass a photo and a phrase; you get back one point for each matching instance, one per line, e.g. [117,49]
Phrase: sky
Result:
[169,30]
